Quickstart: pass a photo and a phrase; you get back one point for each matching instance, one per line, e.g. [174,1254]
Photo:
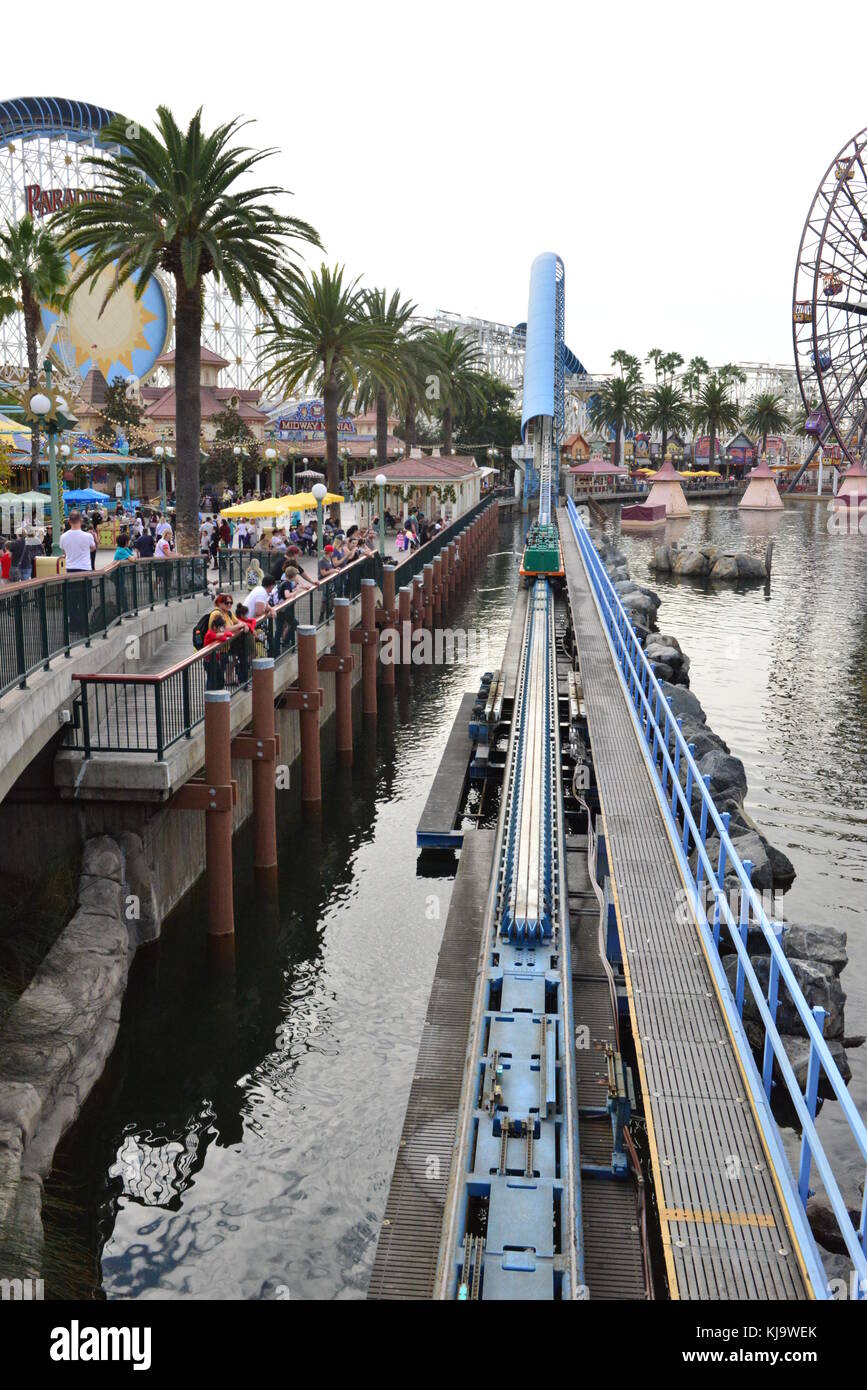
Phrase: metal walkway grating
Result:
[723,1228]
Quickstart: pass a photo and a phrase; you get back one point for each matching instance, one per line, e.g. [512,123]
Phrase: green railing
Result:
[46,618]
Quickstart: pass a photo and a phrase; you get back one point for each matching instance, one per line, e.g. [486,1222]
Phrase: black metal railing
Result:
[46,618]
[138,713]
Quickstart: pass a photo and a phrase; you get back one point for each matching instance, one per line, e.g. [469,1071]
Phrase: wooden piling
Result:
[389,605]
[264,781]
[370,645]
[404,619]
[343,676]
[308,715]
[218,815]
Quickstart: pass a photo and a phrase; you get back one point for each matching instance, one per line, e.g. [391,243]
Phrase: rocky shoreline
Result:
[817,955]
[709,562]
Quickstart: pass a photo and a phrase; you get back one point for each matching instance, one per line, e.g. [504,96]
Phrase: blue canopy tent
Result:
[84,494]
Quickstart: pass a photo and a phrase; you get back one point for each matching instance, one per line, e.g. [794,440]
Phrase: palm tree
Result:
[618,405]
[766,414]
[419,363]
[714,410]
[460,364]
[667,410]
[382,389]
[629,365]
[33,275]
[331,340]
[692,377]
[178,201]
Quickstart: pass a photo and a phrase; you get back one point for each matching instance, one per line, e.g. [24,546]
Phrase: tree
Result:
[766,414]
[121,414]
[618,405]
[33,276]
[419,366]
[629,365]
[667,410]
[329,340]
[378,388]
[457,378]
[714,410]
[692,377]
[179,201]
[223,465]
[495,423]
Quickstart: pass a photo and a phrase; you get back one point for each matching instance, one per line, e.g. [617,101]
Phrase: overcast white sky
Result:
[667,151]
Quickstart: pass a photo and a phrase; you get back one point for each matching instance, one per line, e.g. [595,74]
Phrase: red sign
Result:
[43,201]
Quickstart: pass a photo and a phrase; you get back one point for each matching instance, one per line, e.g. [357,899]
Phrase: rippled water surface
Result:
[242,1140]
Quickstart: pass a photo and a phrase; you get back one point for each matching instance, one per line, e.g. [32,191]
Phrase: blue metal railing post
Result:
[702,831]
[773,1001]
[811,1096]
[744,931]
[720,879]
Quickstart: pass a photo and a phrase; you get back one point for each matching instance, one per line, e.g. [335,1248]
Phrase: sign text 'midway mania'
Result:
[42,201]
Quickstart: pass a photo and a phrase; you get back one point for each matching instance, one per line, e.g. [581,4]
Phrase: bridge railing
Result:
[137,712]
[46,618]
[693,816]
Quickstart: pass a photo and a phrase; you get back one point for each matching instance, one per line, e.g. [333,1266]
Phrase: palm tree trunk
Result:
[409,425]
[447,429]
[711,445]
[617,433]
[188,417]
[31,318]
[332,463]
[381,427]
[664,442]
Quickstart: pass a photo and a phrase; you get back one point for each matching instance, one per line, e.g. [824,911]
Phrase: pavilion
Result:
[761,493]
[667,491]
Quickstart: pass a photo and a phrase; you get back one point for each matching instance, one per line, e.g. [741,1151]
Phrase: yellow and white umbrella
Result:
[278,506]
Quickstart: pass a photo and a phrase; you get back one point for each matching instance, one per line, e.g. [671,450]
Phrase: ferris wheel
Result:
[829,305]
[45,143]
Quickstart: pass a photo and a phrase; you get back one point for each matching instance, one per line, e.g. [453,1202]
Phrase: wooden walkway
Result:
[724,1232]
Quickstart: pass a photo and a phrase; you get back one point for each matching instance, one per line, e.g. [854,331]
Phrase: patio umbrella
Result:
[310,475]
[279,506]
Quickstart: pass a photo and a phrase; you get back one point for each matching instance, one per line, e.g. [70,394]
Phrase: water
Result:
[244,1135]
[782,676]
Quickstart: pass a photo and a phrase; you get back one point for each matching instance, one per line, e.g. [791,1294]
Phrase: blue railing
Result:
[670,757]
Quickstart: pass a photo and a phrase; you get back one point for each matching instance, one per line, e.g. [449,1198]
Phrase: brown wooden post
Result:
[218,823]
[453,568]
[428,595]
[370,644]
[447,576]
[343,677]
[264,781]
[417,602]
[389,604]
[308,716]
[404,619]
[437,589]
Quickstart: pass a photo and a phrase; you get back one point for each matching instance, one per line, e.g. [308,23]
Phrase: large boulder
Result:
[751,567]
[725,567]
[728,778]
[820,987]
[691,564]
[824,945]
[660,560]
[782,868]
[683,702]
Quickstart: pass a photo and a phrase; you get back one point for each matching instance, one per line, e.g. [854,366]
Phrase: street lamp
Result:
[271,456]
[44,409]
[381,481]
[320,492]
[160,455]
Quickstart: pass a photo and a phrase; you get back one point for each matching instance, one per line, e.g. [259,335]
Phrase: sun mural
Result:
[124,339]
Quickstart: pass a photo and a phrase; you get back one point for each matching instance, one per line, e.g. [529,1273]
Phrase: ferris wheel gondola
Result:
[829,304]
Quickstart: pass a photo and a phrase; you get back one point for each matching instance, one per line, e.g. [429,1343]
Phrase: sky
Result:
[668,152]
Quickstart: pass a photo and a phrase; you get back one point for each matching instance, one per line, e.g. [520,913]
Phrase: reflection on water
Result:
[782,674]
[243,1137]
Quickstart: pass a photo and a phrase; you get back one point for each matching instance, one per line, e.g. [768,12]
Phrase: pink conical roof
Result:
[856,470]
[761,470]
[667,473]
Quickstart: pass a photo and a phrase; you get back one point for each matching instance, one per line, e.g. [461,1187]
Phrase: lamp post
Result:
[305,462]
[50,411]
[320,492]
[381,481]
[271,456]
[160,455]
[240,455]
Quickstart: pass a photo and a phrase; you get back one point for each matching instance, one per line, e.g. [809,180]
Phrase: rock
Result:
[728,778]
[102,859]
[639,603]
[751,567]
[826,945]
[710,552]
[668,641]
[660,560]
[664,672]
[706,741]
[101,896]
[142,915]
[749,846]
[798,1053]
[824,1225]
[691,564]
[654,651]
[683,702]
[819,986]
[782,868]
[726,567]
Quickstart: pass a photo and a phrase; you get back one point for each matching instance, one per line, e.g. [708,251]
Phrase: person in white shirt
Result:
[77,545]
[163,526]
[163,548]
[257,600]
[206,530]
